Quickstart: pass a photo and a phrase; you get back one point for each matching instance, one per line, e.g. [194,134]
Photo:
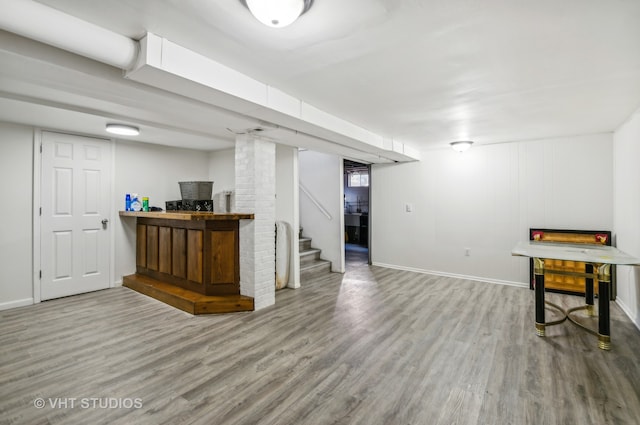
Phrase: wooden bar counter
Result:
[196,251]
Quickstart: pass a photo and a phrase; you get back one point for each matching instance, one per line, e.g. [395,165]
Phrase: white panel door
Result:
[75,193]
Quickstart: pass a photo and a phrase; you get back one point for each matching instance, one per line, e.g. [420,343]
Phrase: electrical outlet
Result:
[408,207]
[467,252]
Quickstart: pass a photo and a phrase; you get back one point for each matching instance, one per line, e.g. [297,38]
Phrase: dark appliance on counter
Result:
[195,197]
[190,205]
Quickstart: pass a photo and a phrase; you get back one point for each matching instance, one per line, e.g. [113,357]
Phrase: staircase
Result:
[311,265]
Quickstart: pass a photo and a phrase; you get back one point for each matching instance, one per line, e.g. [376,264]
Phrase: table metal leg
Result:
[538,271]
[588,292]
[604,285]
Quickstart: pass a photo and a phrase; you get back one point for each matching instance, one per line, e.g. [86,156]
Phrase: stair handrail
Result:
[315,202]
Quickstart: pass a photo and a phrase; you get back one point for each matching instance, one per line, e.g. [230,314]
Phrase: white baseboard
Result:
[629,313]
[624,307]
[454,275]
[16,303]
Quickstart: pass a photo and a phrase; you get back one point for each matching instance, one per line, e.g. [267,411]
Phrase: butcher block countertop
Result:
[187,215]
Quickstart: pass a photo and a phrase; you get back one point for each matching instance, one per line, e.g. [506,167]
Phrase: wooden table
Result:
[197,251]
[599,257]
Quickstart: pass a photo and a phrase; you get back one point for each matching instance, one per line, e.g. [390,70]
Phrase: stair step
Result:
[314,269]
[309,256]
[311,265]
[305,244]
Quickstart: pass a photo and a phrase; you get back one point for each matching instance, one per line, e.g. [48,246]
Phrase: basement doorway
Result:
[357,223]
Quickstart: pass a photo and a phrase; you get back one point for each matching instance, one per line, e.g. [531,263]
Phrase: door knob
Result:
[104,223]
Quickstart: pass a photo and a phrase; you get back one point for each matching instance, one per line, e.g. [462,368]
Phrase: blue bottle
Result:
[127,202]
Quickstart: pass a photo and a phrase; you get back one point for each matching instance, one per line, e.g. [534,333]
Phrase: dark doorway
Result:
[356,209]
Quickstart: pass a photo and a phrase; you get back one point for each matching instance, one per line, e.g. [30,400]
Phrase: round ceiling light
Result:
[277,13]
[461,146]
[123,129]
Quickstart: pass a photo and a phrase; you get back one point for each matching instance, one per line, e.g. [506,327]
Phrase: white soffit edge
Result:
[168,66]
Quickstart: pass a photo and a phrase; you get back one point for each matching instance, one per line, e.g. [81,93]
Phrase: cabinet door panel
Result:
[141,245]
[152,247]
[223,256]
[194,255]
[164,250]
[179,253]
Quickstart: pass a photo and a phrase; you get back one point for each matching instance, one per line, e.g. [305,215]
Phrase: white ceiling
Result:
[425,72]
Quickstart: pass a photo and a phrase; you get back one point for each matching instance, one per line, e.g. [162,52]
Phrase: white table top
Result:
[586,253]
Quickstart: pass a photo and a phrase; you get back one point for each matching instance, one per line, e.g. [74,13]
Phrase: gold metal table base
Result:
[604,341]
[603,277]
[598,261]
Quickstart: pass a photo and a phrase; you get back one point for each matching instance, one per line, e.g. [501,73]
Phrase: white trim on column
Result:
[112,221]
[294,280]
[37,169]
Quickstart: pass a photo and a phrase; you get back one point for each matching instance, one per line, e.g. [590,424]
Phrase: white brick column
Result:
[256,193]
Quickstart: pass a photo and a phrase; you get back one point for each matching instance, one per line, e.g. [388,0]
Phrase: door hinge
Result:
[40,211]
[40,147]
[40,274]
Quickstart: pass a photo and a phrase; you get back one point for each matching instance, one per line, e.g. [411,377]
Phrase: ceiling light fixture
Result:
[277,13]
[461,145]
[123,129]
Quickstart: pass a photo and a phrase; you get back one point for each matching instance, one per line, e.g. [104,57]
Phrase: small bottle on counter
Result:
[145,203]
[227,200]
[127,202]
[136,205]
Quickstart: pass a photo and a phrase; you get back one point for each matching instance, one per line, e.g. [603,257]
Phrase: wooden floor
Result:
[375,346]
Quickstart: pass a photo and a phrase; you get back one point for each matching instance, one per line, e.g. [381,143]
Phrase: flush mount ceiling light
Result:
[461,145]
[123,129]
[277,13]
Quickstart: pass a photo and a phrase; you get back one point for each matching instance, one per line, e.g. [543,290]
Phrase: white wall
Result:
[485,200]
[222,173]
[288,204]
[626,198]
[322,175]
[153,171]
[16,174]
